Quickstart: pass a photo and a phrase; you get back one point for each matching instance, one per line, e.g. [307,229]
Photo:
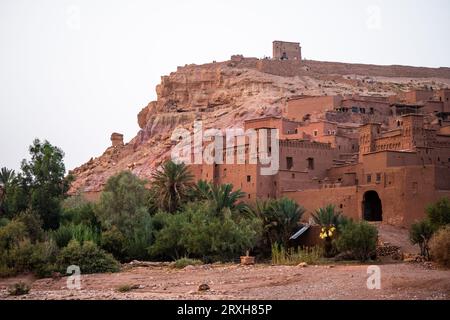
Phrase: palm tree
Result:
[171,185]
[263,210]
[329,219]
[220,196]
[327,216]
[201,190]
[7,176]
[223,196]
[287,214]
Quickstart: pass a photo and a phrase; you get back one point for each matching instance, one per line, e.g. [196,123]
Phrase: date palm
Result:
[7,176]
[287,215]
[329,219]
[171,185]
[223,196]
[220,196]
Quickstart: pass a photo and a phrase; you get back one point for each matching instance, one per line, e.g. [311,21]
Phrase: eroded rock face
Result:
[223,95]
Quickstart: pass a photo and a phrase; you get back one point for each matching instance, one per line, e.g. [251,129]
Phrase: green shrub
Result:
[124,206]
[439,213]
[184,262]
[77,210]
[440,247]
[421,233]
[6,271]
[287,214]
[4,222]
[113,242]
[19,289]
[62,236]
[80,232]
[199,232]
[33,224]
[358,238]
[89,257]
[292,256]
[37,258]
[12,234]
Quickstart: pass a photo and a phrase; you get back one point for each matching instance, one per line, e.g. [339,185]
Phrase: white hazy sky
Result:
[75,71]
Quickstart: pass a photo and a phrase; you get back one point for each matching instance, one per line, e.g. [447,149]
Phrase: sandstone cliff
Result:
[227,93]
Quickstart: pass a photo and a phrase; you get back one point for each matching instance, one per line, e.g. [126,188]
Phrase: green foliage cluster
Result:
[184,262]
[421,232]
[200,232]
[88,256]
[359,239]
[440,246]
[295,256]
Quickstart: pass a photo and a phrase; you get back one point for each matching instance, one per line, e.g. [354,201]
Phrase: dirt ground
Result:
[261,282]
[399,280]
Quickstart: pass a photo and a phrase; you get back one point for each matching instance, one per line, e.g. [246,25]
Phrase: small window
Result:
[310,163]
[289,163]
[341,206]
[371,110]
[249,196]
[378,177]
[249,178]
[293,176]
[225,173]
[369,178]
[315,133]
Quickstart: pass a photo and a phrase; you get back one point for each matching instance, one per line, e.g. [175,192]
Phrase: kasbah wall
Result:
[385,171]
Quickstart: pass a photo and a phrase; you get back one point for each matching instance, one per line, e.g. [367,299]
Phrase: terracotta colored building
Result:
[385,171]
[283,50]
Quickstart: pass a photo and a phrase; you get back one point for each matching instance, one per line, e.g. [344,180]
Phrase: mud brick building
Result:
[377,160]
[283,50]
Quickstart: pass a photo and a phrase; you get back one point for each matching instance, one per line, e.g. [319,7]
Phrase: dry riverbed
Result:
[398,281]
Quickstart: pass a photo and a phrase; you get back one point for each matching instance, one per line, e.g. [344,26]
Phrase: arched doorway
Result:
[372,208]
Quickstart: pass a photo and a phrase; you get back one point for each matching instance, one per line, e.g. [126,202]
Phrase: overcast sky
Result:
[73,71]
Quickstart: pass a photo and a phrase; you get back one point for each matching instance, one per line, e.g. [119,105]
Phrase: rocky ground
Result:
[341,281]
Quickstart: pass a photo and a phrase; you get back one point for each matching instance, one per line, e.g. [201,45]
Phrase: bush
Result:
[292,256]
[77,210]
[113,242]
[421,233]
[184,262]
[36,258]
[440,247]
[89,257]
[4,222]
[439,213]
[33,224]
[199,232]
[19,289]
[358,238]
[124,206]
[12,234]
[80,232]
